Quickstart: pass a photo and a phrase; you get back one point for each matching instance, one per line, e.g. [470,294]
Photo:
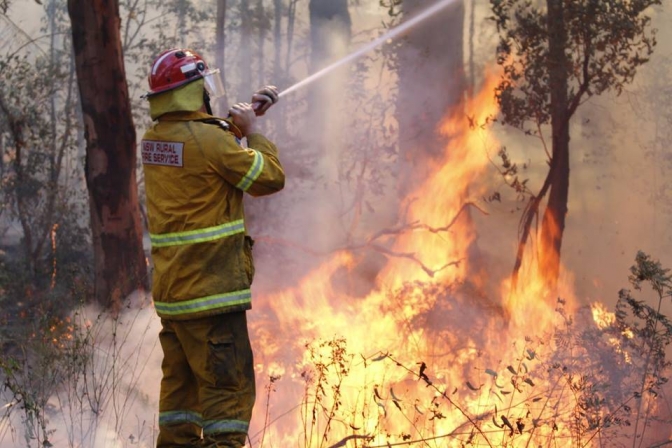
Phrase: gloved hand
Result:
[243,116]
[264,98]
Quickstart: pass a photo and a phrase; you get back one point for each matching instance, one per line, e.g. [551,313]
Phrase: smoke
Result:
[619,200]
[337,154]
[94,386]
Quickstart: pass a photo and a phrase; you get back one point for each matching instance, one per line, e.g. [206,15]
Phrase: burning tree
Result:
[554,57]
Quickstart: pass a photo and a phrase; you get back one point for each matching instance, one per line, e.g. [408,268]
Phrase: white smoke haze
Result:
[100,391]
[306,292]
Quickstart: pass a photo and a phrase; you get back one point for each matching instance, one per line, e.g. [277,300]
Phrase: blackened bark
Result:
[120,266]
[553,222]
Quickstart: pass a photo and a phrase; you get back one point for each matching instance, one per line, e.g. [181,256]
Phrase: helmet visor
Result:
[214,84]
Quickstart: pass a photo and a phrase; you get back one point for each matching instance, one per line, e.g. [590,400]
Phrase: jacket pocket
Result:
[249,260]
[222,362]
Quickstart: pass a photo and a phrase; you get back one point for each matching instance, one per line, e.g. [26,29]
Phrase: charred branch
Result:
[372,242]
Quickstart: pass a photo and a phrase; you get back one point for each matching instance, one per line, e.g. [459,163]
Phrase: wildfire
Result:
[407,361]
[603,318]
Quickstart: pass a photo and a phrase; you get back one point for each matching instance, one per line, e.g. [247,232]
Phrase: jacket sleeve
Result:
[255,170]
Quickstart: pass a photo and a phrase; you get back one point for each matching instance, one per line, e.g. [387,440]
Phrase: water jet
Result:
[389,35]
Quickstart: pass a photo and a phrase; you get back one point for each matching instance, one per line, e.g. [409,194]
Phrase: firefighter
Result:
[196,172]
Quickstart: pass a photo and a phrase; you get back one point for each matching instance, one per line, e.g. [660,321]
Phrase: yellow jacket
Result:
[195,175]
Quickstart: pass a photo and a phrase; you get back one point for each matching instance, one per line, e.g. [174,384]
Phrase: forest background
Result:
[356,145]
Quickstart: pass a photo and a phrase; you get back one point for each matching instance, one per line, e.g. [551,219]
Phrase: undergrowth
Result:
[590,382]
[596,379]
[79,380]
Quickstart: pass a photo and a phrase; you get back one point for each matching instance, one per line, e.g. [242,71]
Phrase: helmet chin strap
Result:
[206,101]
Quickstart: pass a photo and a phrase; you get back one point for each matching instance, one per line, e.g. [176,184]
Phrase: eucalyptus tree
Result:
[119,258]
[556,54]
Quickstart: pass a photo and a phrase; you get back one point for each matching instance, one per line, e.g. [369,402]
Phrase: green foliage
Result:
[45,260]
[617,371]
[646,333]
[606,42]
[39,133]
[42,192]
[642,325]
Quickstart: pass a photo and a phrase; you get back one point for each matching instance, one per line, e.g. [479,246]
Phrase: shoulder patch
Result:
[155,152]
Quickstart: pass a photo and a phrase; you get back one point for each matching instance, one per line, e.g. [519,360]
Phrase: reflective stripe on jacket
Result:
[195,175]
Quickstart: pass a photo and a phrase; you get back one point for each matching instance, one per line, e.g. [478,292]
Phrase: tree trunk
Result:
[220,55]
[553,222]
[261,57]
[120,266]
[431,83]
[291,21]
[246,30]
[277,37]
[330,30]
[279,73]
[182,31]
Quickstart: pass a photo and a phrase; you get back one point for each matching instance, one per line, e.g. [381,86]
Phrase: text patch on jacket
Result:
[162,153]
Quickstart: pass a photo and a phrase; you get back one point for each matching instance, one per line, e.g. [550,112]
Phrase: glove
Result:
[243,116]
[264,98]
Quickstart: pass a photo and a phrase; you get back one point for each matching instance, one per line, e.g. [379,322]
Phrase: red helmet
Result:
[177,67]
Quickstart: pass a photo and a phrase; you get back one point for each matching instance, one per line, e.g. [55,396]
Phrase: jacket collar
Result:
[199,116]
[185,116]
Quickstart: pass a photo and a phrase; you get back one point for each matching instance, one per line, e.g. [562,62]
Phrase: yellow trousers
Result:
[208,388]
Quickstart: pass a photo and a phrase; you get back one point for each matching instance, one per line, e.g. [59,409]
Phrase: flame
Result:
[606,319]
[54,228]
[406,361]
[602,316]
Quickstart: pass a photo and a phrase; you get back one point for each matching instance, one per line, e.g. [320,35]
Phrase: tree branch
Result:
[370,242]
